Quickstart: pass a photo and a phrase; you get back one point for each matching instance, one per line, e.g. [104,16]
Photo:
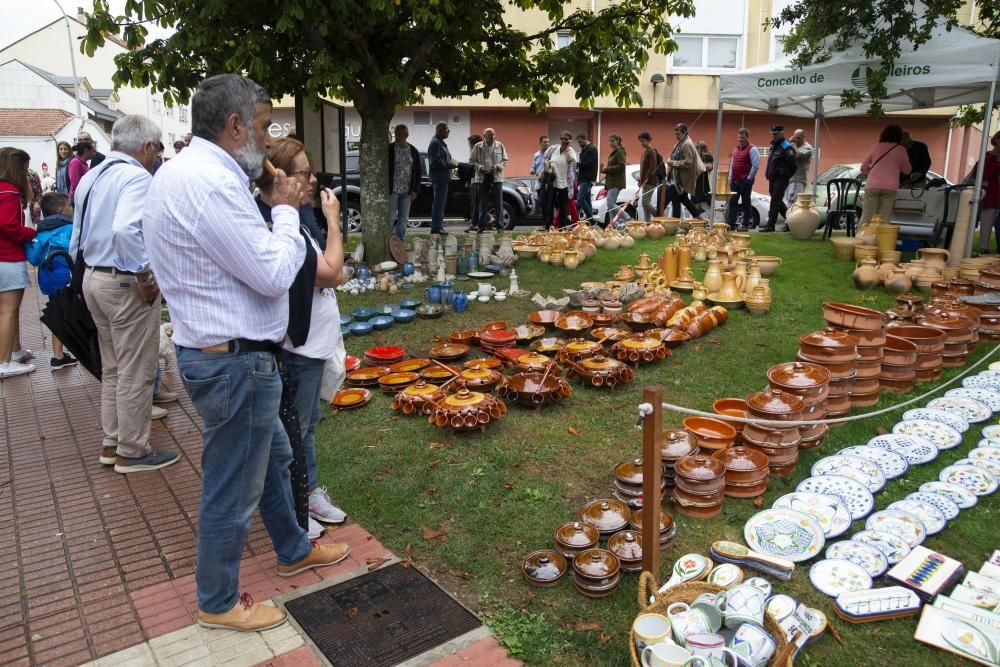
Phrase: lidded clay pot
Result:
[775,404]
[742,463]
[809,381]
[829,345]
[627,547]
[573,537]
[699,470]
[596,566]
[608,516]
[543,568]
[677,443]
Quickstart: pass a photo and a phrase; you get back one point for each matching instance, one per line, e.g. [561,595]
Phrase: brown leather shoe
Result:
[245,616]
[108,456]
[320,556]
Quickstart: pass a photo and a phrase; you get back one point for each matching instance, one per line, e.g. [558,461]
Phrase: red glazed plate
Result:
[386,352]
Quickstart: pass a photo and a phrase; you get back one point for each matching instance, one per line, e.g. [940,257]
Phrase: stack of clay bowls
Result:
[779,444]
[628,483]
[899,364]
[988,280]
[677,443]
[837,352]
[811,383]
[960,333]
[596,573]
[699,484]
[712,434]
[951,305]
[667,527]
[970,267]
[930,347]
[868,326]
[746,471]
[575,537]
[732,407]
[907,307]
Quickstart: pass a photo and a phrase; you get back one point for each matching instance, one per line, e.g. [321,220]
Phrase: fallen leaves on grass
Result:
[603,639]
[758,502]
[584,626]
[434,463]
[438,534]
[508,485]
[352,612]
[376,563]
[572,431]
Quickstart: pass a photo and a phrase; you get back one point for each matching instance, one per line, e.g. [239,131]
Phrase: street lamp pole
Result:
[72,61]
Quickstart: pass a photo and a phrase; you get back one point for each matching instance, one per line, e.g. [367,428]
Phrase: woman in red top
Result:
[988,220]
[78,165]
[15,193]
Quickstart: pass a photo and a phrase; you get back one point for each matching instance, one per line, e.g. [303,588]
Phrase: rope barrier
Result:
[646,409]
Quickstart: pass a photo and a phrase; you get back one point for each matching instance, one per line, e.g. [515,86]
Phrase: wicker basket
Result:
[687,592]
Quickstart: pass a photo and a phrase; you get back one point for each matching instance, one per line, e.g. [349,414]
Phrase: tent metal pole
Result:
[987,117]
[718,155]
[815,157]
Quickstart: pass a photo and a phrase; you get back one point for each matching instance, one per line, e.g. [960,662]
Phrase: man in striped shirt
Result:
[225,277]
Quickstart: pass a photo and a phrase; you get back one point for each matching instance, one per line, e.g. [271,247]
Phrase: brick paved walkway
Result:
[105,562]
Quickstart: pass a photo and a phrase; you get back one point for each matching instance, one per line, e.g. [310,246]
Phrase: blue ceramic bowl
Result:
[386,309]
[409,304]
[404,315]
[345,331]
[493,268]
[363,314]
[381,321]
[345,320]
[360,328]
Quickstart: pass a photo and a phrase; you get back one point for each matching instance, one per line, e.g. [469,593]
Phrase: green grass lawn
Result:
[493,497]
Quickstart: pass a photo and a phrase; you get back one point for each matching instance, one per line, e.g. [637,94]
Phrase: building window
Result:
[170,112]
[157,105]
[701,52]
[563,39]
[421,117]
[183,112]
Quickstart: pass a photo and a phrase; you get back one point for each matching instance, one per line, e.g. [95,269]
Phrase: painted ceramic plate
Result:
[893,465]
[942,435]
[796,536]
[898,522]
[986,396]
[855,495]
[957,493]
[480,274]
[916,449]
[725,575]
[860,553]
[830,511]
[989,381]
[978,480]
[952,419]
[970,409]
[854,467]
[933,518]
[891,545]
[985,453]
[836,576]
[781,606]
[346,399]
[992,431]
[761,584]
[993,443]
[986,464]
[948,507]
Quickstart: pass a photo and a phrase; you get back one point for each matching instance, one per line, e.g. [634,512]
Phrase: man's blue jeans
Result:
[583,206]
[244,462]
[490,194]
[399,210]
[308,373]
[440,187]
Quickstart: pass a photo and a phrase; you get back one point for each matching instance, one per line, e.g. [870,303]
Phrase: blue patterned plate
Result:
[957,493]
[969,409]
[947,506]
[985,464]
[796,536]
[893,465]
[916,449]
[991,431]
[991,443]
[830,511]
[989,380]
[855,495]
[854,467]
[978,480]
[952,419]
[891,545]
[990,398]
[866,555]
[905,525]
[942,435]
[836,576]
[932,517]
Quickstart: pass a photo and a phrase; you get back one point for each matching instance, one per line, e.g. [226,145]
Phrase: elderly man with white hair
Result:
[489,158]
[121,292]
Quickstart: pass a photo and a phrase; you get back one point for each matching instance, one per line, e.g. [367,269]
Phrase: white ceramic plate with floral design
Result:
[948,507]
[836,576]
[891,545]
[892,464]
[991,431]
[969,409]
[993,443]
[796,536]
[830,511]
[856,496]
[916,449]
[898,522]
[932,517]
[990,380]
[988,397]
[978,480]
[860,553]
[942,435]
[957,493]
[952,419]
[985,464]
[854,467]
[990,453]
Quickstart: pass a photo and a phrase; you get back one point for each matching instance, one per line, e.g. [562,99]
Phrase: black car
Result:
[517,198]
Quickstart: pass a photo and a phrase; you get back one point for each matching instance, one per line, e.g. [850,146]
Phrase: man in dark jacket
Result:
[439,166]
[587,174]
[404,179]
[920,161]
[781,165]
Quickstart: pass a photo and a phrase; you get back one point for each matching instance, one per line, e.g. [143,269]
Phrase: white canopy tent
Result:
[954,67]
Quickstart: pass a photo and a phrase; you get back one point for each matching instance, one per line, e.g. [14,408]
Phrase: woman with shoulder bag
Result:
[885,162]
[558,160]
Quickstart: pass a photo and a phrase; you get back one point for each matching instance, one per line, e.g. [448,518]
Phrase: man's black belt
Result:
[111,269]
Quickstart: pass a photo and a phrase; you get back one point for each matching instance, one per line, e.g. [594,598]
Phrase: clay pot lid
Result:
[677,443]
[910,299]
[626,545]
[629,472]
[596,564]
[533,359]
[580,345]
[666,521]
[799,375]
[591,303]
[479,374]
[422,389]
[464,398]
[576,534]
[699,468]
[951,323]
[829,337]
[775,402]
[606,515]
[600,363]
[491,363]
[640,342]
[741,459]
[544,566]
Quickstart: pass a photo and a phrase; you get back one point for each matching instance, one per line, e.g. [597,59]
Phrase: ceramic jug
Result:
[644,262]
[670,257]
[485,289]
[473,260]
[700,253]
[803,219]
[753,277]
[713,276]
[866,275]
[886,268]
[730,290]
[935,257]
[447,291]
[459,302]
[914,269]
[700,292]
[572,259]
[433,294]
[759,301]
[627,241]
[897,283]
[451,265]
[655,230]
[683,259]
[742,270]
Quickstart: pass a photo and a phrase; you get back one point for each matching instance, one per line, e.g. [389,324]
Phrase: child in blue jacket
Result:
[54,232]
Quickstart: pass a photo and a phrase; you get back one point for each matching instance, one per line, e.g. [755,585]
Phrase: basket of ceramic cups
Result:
[682,626]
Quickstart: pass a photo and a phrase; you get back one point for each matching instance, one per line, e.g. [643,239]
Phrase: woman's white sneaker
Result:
[321,509]
[13,368]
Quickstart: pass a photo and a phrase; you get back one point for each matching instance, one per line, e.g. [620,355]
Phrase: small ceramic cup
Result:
[744,604]
[712,647]
[752,645]
[667,654]
[649,629]
[686,621]
[712,606]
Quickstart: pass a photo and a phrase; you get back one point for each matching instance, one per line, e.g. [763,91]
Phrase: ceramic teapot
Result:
[866,275]
[753,277]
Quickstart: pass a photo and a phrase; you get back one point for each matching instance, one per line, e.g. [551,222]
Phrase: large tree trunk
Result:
[375,225]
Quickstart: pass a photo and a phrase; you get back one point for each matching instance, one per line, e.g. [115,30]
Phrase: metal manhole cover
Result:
[381,618]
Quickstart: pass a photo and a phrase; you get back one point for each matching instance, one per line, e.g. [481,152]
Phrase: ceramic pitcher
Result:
[713,276]
[753,277]
[897,282]
[730,290]
[934,257]
[866,275]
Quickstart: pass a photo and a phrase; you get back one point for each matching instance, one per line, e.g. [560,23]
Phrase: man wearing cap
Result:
[781,165]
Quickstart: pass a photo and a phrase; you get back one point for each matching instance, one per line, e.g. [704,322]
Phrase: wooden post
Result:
[652,476]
